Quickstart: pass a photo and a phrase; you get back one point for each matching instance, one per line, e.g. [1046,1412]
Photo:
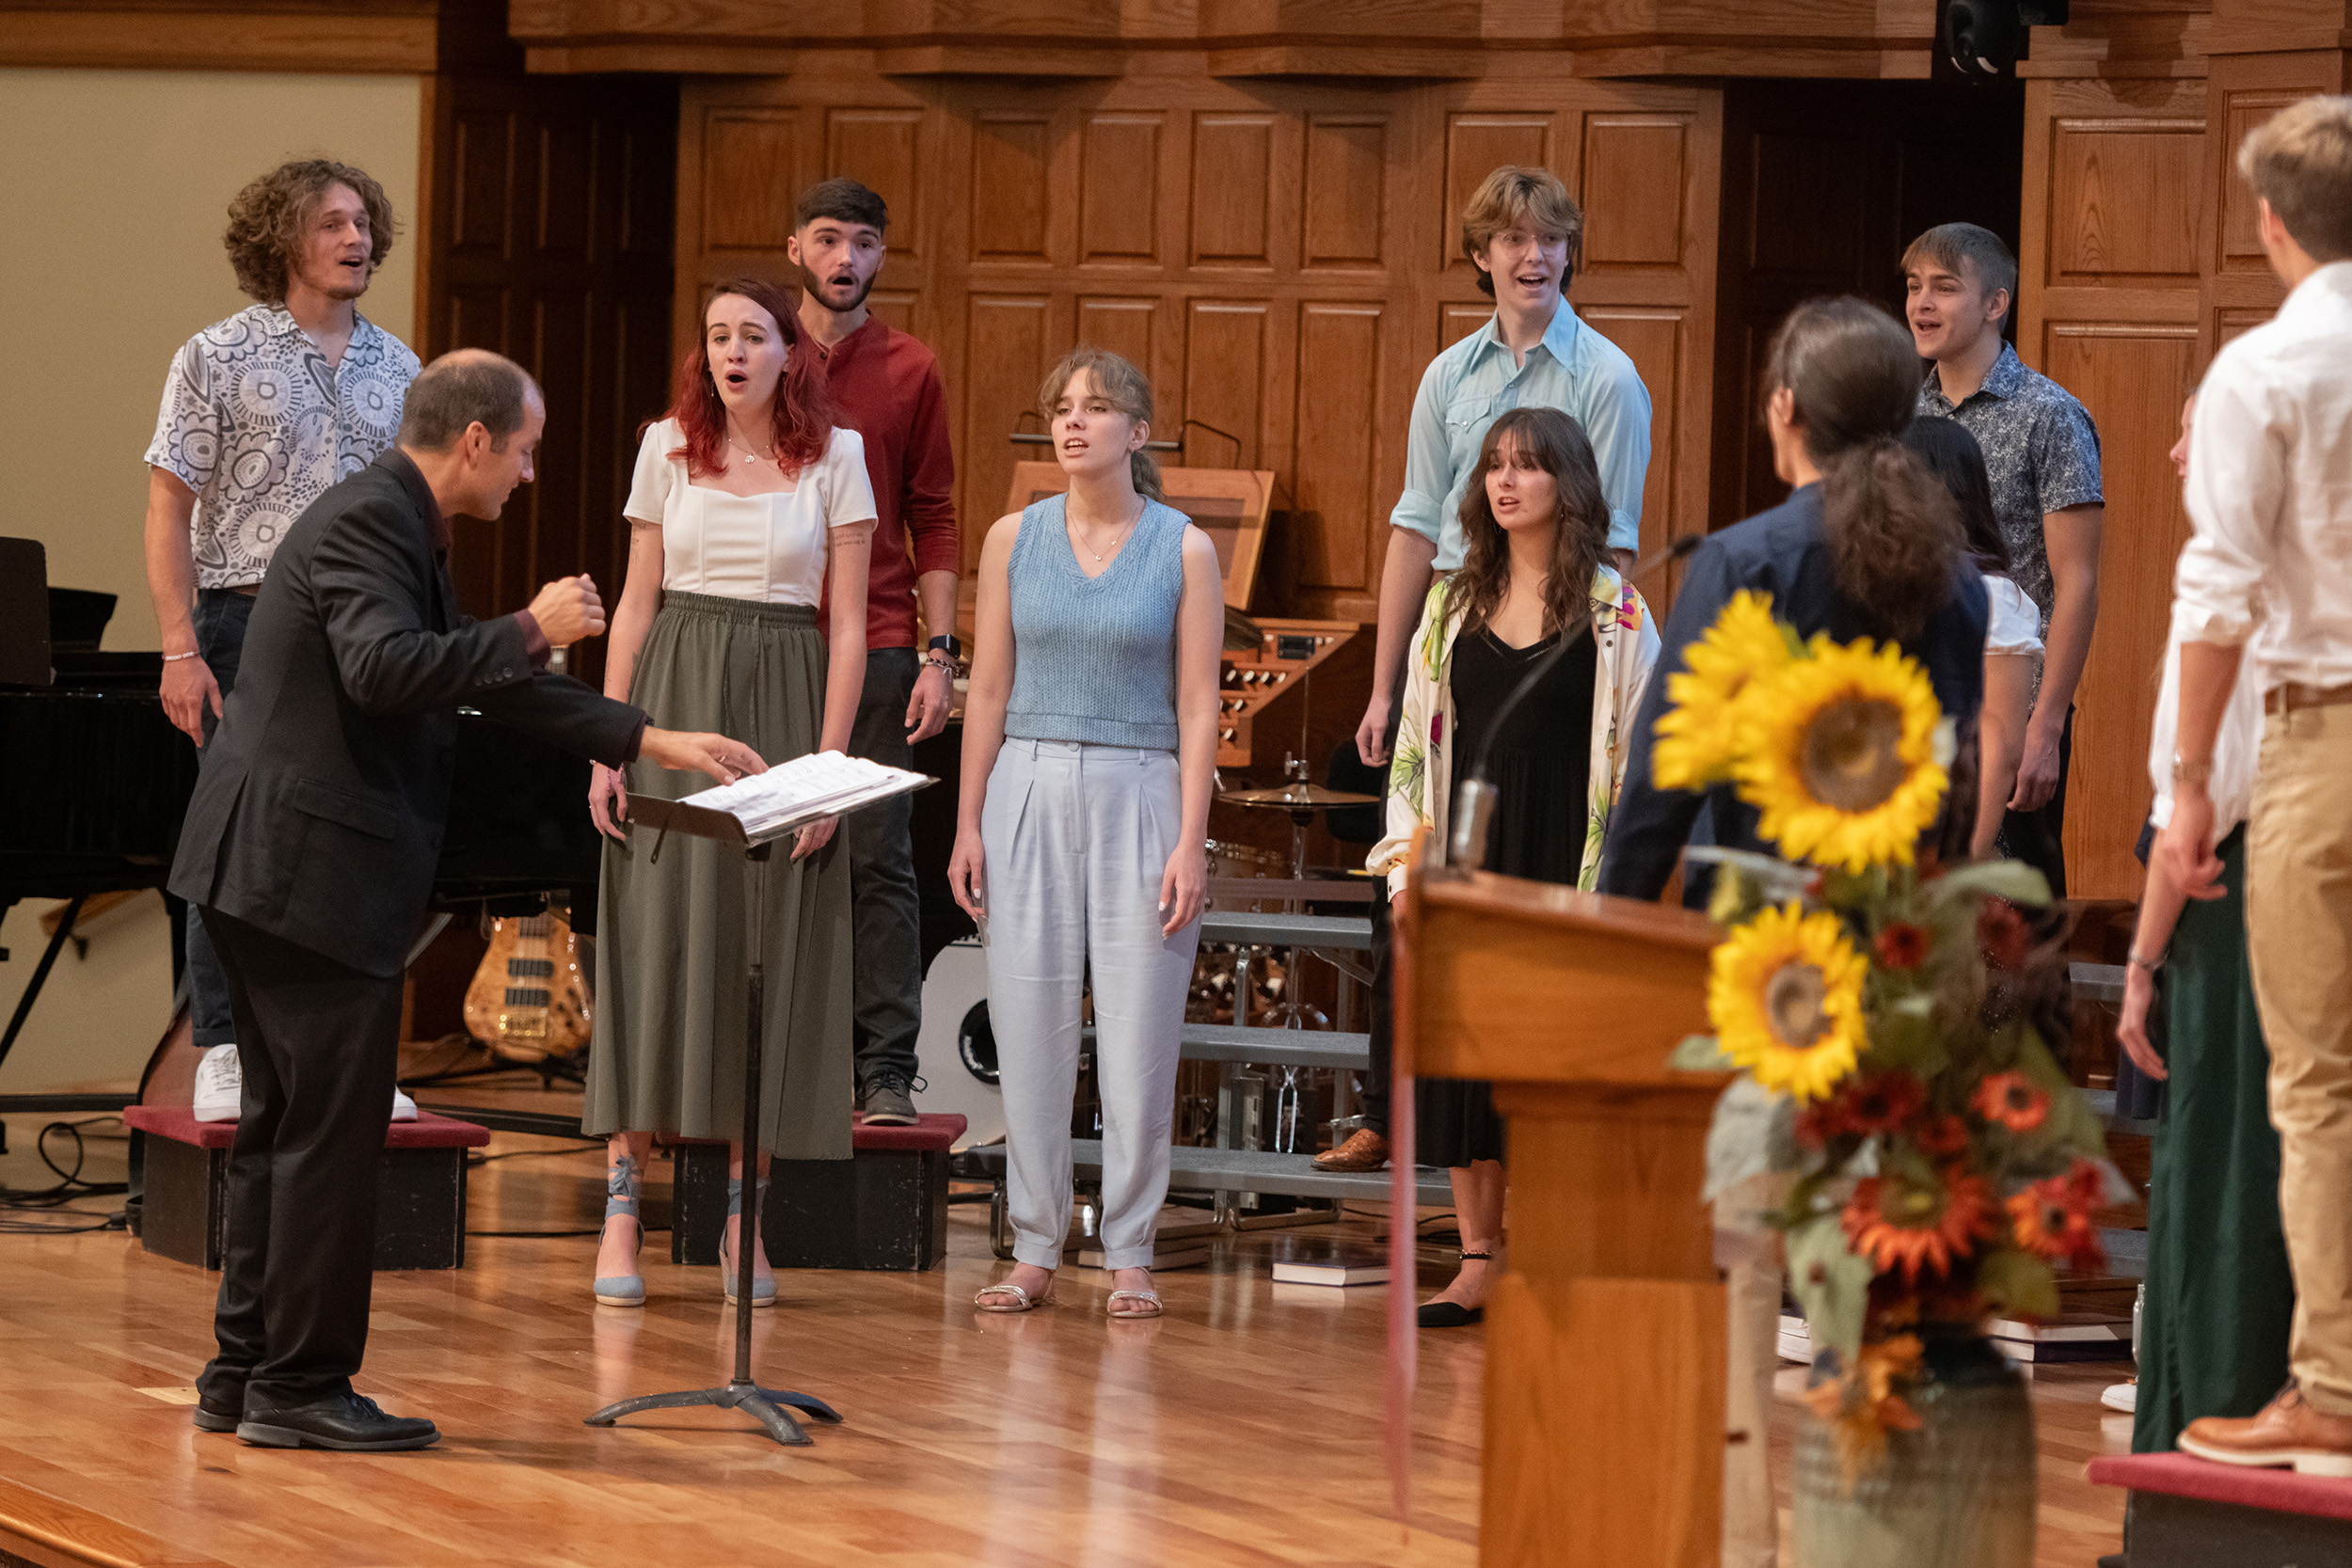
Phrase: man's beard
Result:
[867,288]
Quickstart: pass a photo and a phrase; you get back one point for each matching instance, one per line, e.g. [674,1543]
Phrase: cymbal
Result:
[1298,797]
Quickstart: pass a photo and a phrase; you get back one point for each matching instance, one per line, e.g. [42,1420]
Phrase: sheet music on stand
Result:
[763,807]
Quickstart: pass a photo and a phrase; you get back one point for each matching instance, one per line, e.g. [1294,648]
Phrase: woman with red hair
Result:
[751,508]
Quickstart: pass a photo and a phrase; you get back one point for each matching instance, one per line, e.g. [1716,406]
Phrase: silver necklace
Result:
[1102,556]
[749,455]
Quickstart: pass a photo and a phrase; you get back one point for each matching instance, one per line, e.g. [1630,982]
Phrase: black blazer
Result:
[1784,552]
[319,810]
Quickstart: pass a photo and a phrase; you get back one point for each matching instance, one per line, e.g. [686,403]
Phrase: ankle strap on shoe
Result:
[623,1184]
[735,1194]
[1477,1256]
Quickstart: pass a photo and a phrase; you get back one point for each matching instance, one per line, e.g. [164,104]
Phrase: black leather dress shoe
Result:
[347,1422]
[218,1415]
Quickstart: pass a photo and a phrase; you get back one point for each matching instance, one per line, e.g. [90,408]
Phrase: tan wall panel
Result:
[1630,162]
[1339,418]
[1225,368]
[1118,197]
[1007,351]
[1343,191]
[750,177]
[1010,197]
[1653,340]
[1475,145]
[1128,327]
[2131,377]
[1232,190]
[2123,200]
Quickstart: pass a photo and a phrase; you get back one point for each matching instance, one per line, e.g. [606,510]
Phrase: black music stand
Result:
[741,1393]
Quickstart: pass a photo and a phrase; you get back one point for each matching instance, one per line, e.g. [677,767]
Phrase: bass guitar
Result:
[528,1000]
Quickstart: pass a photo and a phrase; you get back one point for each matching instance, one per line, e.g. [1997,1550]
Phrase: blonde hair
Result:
[2299,159]
[1117,383]
[1511,195]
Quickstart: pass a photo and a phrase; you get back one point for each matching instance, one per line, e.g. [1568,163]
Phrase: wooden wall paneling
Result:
[1225,372]
[1119,200]
[1653,338]
[2239,289]
[2113,227]
[1630,163]
[1476,144]
[1343,192]
[881,149]
[1129,327]
[1010,193]
[1008,347]
[751,173]
[2133,376]
[1231,221]
[1335,489]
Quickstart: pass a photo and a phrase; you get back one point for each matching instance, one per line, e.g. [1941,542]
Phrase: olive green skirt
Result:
[674,934]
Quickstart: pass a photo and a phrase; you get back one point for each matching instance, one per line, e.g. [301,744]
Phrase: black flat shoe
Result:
[1448,1314]
[345,1422]
[212,1415]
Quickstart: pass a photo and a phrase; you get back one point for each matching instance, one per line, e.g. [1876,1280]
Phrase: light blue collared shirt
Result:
[1471,385]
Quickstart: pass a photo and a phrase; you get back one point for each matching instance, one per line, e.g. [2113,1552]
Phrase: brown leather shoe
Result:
[2288,1431]
[1365,1149]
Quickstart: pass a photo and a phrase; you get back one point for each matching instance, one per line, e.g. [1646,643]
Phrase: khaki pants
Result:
[2298,922]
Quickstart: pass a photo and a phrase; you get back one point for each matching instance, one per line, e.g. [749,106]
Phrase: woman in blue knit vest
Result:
[1089,749]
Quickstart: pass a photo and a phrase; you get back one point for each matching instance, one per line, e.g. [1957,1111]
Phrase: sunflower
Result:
[1898,1224]
[2053,1217]
[1698,738]
[2013,1099]
[1785,992]
[1839,755]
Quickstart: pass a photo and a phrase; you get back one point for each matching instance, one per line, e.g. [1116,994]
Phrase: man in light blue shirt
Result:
[1521,230]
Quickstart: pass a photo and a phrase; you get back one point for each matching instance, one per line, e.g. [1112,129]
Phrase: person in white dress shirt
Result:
[750,507]
[2266,583]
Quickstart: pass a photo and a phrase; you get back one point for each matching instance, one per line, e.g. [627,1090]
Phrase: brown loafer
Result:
[2288,1431]
[1365,1149]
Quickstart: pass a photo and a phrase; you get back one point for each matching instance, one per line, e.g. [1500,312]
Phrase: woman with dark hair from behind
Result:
[2012,633]
[1868,544]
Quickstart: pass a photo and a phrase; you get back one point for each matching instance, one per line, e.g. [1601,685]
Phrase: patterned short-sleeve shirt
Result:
[2040,451]
[258,424]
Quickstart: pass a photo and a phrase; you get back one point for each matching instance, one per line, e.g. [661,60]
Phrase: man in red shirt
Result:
[886,386]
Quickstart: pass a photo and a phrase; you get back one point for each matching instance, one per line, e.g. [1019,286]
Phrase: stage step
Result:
[1248,1170]
[2189,1512]
[1320,1048]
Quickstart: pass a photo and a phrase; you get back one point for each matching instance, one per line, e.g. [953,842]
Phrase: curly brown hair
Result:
[1558,446]
[265,221]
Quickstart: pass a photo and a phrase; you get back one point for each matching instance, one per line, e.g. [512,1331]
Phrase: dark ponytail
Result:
[1895,534]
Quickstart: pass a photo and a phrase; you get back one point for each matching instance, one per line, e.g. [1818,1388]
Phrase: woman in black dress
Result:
[1535,537]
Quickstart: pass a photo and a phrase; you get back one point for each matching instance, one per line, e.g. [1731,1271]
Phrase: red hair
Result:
[804,418]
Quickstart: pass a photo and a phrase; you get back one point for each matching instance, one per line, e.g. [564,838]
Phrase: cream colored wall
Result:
[113,194]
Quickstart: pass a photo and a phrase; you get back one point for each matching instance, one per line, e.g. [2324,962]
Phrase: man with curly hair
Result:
[260,413]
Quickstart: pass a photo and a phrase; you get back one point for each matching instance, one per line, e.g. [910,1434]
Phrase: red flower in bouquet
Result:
[1942,1136]
[2004,935]
[1898,1224]
[2013,1099]
[2053,1217]
[1882,1103]
[1903,945]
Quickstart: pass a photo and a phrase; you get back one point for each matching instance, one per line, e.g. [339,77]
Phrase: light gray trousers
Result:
[1075,840]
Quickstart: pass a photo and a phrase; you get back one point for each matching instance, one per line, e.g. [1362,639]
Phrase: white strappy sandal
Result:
[1022,1300]
[1150,1298]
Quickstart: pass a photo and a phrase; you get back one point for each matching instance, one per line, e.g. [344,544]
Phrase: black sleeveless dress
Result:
[1541,761]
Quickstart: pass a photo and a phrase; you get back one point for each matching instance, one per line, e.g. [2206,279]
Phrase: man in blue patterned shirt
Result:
[2042,453]
[260,413]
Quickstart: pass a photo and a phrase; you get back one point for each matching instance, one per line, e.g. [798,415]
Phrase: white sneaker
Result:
[2122,1396]
[219,1085]
[404,1108]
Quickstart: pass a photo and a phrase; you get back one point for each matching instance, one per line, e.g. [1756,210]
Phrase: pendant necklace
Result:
[749,455]
[1103,555]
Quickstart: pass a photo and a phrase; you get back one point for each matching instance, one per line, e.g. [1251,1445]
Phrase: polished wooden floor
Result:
[1239,1429]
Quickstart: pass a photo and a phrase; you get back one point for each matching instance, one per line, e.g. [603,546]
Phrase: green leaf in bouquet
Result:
[1831,1285]
[2018,1283]
[1903,1035]
[2071,1123]
[1700,1054]
[1753,1132]
[2015,880]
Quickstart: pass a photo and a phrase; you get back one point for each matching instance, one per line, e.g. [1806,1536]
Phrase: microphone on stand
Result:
[1475,819]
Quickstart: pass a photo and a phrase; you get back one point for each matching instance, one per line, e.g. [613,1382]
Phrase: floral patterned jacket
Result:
[1421,774]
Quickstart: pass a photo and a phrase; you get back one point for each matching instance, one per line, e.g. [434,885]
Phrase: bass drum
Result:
[956,1051]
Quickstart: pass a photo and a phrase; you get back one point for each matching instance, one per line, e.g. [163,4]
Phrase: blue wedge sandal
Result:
[622,1185]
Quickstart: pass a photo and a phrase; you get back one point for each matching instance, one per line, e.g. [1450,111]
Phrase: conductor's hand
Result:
[568,609]
[608,801]
[188,688]
[715,754]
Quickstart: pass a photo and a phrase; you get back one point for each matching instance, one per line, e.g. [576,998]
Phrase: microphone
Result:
[1475,817]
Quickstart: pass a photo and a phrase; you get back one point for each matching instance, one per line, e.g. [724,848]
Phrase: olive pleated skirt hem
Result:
[673,935]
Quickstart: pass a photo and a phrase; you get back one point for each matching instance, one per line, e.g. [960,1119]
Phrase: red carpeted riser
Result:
[929,1131]
[179,1124]
[2179,1475]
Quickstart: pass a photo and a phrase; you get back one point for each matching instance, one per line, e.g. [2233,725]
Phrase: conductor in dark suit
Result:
[309,847]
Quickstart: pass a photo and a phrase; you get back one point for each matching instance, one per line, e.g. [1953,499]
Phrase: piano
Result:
[94,781]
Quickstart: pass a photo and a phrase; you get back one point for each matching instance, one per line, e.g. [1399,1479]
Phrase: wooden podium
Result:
[1605,1340]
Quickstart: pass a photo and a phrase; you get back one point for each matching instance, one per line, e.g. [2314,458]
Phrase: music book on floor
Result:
[1321,1260]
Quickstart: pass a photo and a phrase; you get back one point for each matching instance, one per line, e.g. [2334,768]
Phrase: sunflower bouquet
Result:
[1885,1013]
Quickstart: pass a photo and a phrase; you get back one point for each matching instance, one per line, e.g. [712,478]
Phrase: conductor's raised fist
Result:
[568,609]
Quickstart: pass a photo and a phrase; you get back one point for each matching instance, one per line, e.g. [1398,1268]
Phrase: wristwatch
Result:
[948,645]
